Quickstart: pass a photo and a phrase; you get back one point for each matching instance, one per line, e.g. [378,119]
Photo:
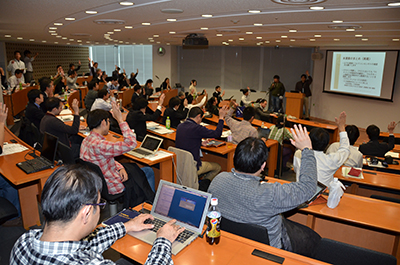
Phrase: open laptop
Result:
[320,189]
[64,153]
[149,146]
[46,159]
[188,206]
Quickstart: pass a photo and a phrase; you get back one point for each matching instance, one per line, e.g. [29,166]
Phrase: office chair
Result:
[186,171]
[251,231]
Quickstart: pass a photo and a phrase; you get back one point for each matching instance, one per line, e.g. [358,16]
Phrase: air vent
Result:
[81,34]
[228,30]
[171,11]
[109,22]
[343,27]
[298,2]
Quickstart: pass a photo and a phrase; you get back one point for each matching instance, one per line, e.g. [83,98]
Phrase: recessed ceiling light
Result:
[171,19]
[126,42]
[293,30]
[69,18]
[56,42]
[254,11]
[283,37]
[20,38]
[267,41]
[58,36]
[31,39]
[126,3]
[52,28]
[312,39]
[64,38]
[158,42]
[350,30]
[259,38]
[110,32]
[336,39]
[58,24]
[44,41]
[358,35]
[394,4]
[230,40]
[292,40]
[117,29]
[87,41]
[219,35]
[71,39]
[395,39]
[204,28]
[52,31]
[54,34]
[277,40]
[207,15]
[146,23]
[115,40]
[121,41]
[91,12]
[168,43]
[258,43]
[337,21]
[128,27]
[249,32]
[241,38]
[150,38]
[155,36]
[364,39]
[79,40]
[258,24]
[317,36]
[316,7]
[172,32]
[7,36]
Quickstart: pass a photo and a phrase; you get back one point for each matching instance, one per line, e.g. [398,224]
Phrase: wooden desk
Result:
[383,136]
[16,102]
[82,79]
[395,169]
[29,185]
[231,250]
[168,95]
[84,90]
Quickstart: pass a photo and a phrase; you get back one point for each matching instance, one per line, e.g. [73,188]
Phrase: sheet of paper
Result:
[226,134]
[204,124]
[9,149]
[161,130]
[66,118]
[346,170]
[392,154]
[152,125]
[158,155]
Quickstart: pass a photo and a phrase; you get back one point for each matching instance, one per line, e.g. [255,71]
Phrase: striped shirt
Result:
[279,134]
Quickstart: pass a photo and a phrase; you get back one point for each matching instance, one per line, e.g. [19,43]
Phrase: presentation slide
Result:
[361,73]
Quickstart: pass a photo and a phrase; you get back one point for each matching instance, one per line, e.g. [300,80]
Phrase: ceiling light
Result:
[52,28]
[267,41]
[230,40]
[70,18]
[254,11]
[117,29]
[52,31]
[115,40]
[350,30]
[292,40]
[31,39]
[206,15]
[241,38]
[54,34]
[312,39]
[283,37]
[58,36]
[219,35]
[249,32]
[110,32]
[364,39]
[126,3]
[20,38]
[64,38]
[58,24]
[258,24]
[156,36]
[68,43]
[171,19]
[394,4]
[316,7]
[90,12]
[71,39]
[336,39]
[121,41]
[358,35]
[168,43]
[146,23]
[259,38]
[128,27]
[158,42]
[56,42]
[87,41]
[126,42]
[150,38]
[317,36]
[278,41]
[44,41]
[395,39]
[293,30]
[79,40]
[337,21]
[172,32]
[7,36]
[204,28]
[258,43]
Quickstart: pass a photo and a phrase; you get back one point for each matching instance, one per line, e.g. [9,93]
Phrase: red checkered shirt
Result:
[97,150]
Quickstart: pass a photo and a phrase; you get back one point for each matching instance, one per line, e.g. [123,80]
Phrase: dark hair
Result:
[92,84]
[52,103]
[279,122]
[175,101]
[189,99]
[44,83]
[210,103]
[353,133]
[58,66]
[33,95]
[71,64]
[15,52]
[250,154]
[373,132]
[95,63]
[95,117]
[72,72]
[165,80]
[217,87]
[195,111]
[26,52]
[102,93]
[248,113]
[137,88]
[276,76]
[193,80]
[67,190]
[140,103]
[181,93]
[114,79]
[18,71]
[319,139]
[303,75]
[149,81]
[261,100]
[244,90]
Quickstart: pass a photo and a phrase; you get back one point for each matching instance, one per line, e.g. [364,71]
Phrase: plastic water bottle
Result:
[213,233]
[20,86]
[336,190]
[168,123]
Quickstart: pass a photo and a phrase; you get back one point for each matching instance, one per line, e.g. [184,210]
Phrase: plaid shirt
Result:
[97,150]
[276,134]
[240,129]
[29,249]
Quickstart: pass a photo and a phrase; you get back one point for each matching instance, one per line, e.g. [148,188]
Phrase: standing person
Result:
[28,63]
[277,91]
[133,81]
[92,68]
[16,63]
[72,68]
[59,80]
[303,86]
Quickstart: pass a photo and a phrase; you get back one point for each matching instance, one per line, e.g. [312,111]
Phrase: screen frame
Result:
[361,96]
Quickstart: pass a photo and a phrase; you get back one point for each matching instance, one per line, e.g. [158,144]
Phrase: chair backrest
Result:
[251,231]
[335,252]
[29,133]
[186,170]
[389,199]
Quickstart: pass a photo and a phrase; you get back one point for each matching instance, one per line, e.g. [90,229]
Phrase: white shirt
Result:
[14,65]
[355,158]
[112,87]
[327,164]
[14,81]
[100,103]
[28,63]
[203,100]
[246,99]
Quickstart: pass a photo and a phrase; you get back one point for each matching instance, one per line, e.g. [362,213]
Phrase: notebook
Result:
[46,159]
[149,146]
[188,206]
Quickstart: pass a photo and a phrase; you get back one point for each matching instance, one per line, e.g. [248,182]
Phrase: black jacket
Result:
[375,148]
[262,115]
[137,121]
[34,114]
[175,116]
[304,87]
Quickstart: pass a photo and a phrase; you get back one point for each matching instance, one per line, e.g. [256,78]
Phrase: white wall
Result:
[360,111]
[165,66]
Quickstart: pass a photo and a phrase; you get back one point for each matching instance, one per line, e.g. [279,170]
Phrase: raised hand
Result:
[300,139]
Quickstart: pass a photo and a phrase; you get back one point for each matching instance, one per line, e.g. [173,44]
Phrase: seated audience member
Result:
[137,94]
[200,104]
[165,85]
[71,206]
[120,177]
[192,87]
[175,115]
[374,147]
[47,88]
[101,101]
[218,95]
[92,94]
[17,79]
[6,189]
[53,125]
[243,197]
[123,80]
[58,80]
[261,114]
[33,112]
[245,100]
[137,118]
[71,81]
[133,81]
[280,133]
[356,157]
[189,137]
[148,87]
[241,129]
[72,68]
[3,79]
[212,106]
[113,84]
[182,97]
[327,164]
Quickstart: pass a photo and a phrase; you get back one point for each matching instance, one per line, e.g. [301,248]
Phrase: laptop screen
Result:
[49,147]
[151,143]
[179,203]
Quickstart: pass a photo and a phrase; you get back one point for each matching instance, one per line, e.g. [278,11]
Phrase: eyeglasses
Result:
[101,204]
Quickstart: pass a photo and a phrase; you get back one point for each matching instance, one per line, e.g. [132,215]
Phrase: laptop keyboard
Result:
[160,223]
[142,152]
[34,165]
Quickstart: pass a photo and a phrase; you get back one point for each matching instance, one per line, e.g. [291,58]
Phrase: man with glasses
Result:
[71,206]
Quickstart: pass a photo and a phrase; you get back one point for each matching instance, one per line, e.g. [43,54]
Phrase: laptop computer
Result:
[320,189]
[149,146]
[46,159]
[64,153]
[188,206]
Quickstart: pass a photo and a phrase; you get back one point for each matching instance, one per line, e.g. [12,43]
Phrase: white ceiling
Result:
[379,23]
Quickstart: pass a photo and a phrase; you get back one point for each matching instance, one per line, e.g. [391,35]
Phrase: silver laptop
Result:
[188,206]
[149,146]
